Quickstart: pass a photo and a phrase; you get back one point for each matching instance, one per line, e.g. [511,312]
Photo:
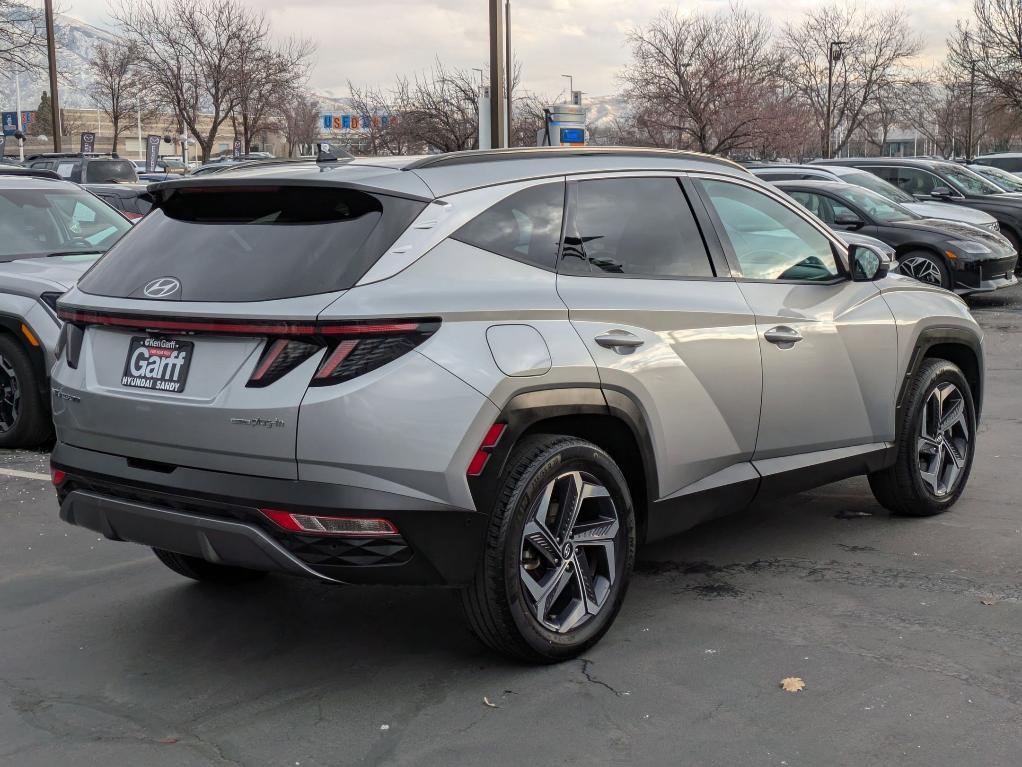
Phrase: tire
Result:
[1016,244]
[207,572]
[926,267]
[929,475]
[591,562]
[24,417]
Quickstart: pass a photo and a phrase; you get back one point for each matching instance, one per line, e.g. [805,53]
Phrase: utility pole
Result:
[972,103]
[509,74]
[497,74]
[51,51]
[833,56]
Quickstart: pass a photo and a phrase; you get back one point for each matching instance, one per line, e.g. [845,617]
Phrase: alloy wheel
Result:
[10,395]
[944,439]
[922,269]
[569,551]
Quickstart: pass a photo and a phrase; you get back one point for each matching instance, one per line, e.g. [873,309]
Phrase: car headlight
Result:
[969,246]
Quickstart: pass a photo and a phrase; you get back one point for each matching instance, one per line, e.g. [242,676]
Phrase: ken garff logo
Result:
[161,287]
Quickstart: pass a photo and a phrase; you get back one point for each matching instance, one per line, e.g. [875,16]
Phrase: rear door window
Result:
[254,243]
[637,227]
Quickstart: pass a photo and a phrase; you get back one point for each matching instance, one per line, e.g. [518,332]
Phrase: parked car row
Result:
[948,225]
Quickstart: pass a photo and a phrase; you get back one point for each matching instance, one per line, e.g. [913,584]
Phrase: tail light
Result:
[352,354]
[352,347]
[130,215]
[354,527]
[57,476]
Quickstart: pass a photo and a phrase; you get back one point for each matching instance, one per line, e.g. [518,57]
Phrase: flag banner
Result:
[10,121]
[152,152]
[237,148]
[88,142]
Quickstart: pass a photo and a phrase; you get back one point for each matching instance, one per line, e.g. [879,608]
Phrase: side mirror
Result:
[848,218]
[868,263]
[940,193]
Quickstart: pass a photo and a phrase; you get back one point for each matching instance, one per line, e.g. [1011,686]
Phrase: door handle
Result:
[620,341]
[783,336]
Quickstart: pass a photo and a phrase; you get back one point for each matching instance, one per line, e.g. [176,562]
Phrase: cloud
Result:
[372,41]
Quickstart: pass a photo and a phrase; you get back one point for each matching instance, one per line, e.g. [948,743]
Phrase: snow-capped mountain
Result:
[76,41]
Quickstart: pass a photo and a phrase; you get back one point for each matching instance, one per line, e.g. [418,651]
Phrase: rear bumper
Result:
[215,516]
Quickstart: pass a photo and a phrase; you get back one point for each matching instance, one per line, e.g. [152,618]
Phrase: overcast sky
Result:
[371,41]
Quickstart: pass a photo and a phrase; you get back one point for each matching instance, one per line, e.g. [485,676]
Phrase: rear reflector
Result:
[58,477]
[482,455]
[316,525]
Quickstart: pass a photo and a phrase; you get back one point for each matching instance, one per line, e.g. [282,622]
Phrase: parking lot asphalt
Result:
[907,633]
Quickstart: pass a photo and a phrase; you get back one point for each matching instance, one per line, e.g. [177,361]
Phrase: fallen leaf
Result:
[792,684]
[167,741]
[988,601]
[488,703]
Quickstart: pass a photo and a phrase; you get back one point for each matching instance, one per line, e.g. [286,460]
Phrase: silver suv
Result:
[497,371]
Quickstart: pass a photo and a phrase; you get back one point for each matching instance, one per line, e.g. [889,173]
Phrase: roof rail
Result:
[14,170]
[472,156]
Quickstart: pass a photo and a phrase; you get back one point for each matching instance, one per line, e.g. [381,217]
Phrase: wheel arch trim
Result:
[938,336]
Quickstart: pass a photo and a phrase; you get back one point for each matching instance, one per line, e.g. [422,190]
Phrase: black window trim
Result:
[718,265]
[838,247]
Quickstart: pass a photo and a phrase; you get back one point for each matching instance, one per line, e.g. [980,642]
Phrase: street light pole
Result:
[571,87]
[833,56]
[972,103]
[497,74]
[51,51]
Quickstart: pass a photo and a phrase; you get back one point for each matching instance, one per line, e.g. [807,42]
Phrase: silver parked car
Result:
[50,233]
[498,371]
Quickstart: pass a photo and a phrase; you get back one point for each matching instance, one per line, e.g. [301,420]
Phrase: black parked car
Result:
[131,200]
[1009,161]
[945,181]
[945,253]
[85,168]
[1009,182]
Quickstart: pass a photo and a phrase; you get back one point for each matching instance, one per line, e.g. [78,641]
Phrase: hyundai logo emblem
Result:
[162,287]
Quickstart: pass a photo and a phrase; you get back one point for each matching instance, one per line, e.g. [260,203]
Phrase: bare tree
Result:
[697,80]
[438,109]
[266,78]
[385,131]
[876,48]
[299,121]
[22,36]
[992,43]
[189,52]
[117,88]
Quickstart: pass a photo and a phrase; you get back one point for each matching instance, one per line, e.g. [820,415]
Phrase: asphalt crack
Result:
[586,664]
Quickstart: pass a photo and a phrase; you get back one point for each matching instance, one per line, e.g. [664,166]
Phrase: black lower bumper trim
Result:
[184,509]
[220,541]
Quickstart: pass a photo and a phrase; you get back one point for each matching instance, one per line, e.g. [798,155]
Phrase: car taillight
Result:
[57,476]
[363,349]
[280,356]
[131,216]
[355,527]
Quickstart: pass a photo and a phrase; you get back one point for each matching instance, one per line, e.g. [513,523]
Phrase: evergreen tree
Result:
[42,125]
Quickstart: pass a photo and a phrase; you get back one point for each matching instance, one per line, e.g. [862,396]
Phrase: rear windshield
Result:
[106,171]
[254,243]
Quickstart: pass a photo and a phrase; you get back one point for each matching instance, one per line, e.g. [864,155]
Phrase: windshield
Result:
[967,182]
[877,207]
[38,222]
[878,185]
[1009,182]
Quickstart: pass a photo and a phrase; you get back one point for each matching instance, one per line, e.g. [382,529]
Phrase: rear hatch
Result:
[194,340]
